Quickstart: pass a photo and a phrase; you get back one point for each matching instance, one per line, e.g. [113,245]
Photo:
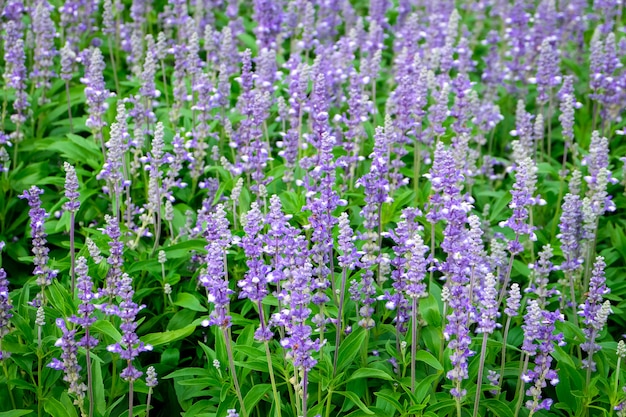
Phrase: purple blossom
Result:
[115,259]
[95,91]
[71,189]
[488,308]
[129,347]
[547,70]
[45,51]
[86,294]
[297,297]
[513,301]
[69,361]
[5,310]
[543,340]
[213,277]
[349,255]
[591,311]
[37,218]
[571,232]
[522,198]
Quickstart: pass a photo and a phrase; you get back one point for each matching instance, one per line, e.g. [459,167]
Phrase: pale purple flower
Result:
[5,309]
[129,347]
[37,218]
[69,361]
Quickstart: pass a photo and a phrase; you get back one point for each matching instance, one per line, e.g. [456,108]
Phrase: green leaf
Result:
[15,413]
[255,394]
[428,358]
[356,400]
[370,373]
[55,408]
[388,396]
[188,372]
[98,388]
[106,328]
[188,301]
[156,339]
[350,347]
[181,250]
[498,408]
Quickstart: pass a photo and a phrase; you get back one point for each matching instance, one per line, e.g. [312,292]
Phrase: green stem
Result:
[231,362]
[481,368]
[339,327]
[6,375]
[505,336]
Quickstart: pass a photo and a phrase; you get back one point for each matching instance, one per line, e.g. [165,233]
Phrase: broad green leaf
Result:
[356,400]
[255,394]
[187,300]
[428,358]
[156,339]
[370,373]
[350,347]
[15,413]
[98,388]
[389,396]
[188,372]
[106,328]
[498,408]
[55,408]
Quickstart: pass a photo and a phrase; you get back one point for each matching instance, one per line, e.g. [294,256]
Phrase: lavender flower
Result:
[543,339]
[45,51]
[523,190]
[95,91]
[513,302]
[115,259]
[254,284]
[71,189]
[297,295]
[591,312]
[129,347]
[85,317]
[69,361]
[5,310]
[547,70]
[213,277]
[37,218]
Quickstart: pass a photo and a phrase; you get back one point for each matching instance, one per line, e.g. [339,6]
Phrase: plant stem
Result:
[89,377]
[413,341]
[269,359]
[304,391]
[505,336]
[148,400]
[231,362]
[72,252]
[69,105]
[339,326]
[130,396]
[481,368]
[6,375]
[520,386]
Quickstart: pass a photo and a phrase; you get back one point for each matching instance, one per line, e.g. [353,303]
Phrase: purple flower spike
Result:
[37,218]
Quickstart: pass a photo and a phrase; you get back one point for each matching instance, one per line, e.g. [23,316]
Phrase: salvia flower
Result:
[37,218]
[213,277]
[95,91]
[5,309]
[542,373]
[115,259]
[513,302]
[86,294]
[129,347]
[45,51]
[69,361]
[591,311]
[71,189]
